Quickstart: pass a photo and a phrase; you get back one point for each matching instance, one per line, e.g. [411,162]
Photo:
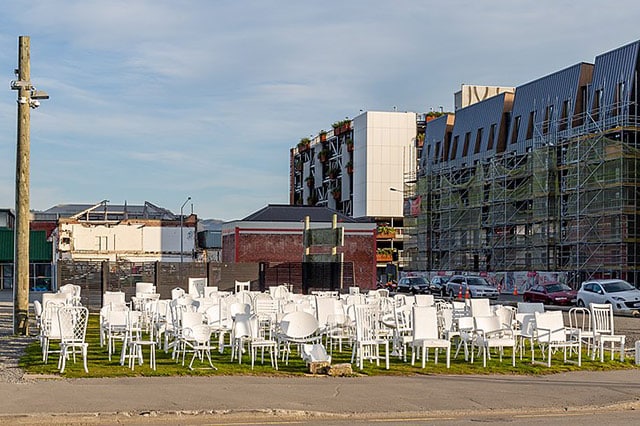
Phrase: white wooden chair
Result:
[603,331]
[369,337]
[426,335]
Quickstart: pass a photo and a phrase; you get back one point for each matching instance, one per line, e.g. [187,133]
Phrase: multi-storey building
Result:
[358,168]
[541,179]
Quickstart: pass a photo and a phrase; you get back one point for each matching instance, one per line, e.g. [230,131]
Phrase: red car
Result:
[551,294]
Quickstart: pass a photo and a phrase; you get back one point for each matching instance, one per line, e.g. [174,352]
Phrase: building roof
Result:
[104,211]
[295,213]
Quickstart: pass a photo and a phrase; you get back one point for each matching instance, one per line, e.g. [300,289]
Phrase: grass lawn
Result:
[100,366]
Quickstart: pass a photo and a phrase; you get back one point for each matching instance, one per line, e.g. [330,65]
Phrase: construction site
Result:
[569,204]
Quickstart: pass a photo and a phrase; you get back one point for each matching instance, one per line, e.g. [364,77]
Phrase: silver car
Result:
[624,297]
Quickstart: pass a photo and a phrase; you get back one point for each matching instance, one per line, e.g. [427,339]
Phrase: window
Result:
[102,243]
[516,130]
[532,117]
[564,116]
[597,103]
[465,148]
[619,99]
[454,148]
[492,136]
[548,117]
[478,141]
[436,154]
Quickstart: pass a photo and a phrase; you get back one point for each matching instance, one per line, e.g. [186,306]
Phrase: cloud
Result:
[157,99]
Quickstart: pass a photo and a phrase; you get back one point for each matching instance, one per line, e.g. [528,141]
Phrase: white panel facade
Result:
[131,241]
[384,151]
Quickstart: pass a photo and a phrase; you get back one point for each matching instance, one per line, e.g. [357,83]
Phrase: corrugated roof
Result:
[40,250]
[293,213]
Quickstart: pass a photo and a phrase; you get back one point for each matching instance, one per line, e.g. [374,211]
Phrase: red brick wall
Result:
[287,246]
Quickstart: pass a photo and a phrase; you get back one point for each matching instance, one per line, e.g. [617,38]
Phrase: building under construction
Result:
[543,178]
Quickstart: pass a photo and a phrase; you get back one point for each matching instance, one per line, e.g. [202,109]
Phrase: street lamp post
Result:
[181,227]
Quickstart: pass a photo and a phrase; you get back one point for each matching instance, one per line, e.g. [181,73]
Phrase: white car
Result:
[624,297]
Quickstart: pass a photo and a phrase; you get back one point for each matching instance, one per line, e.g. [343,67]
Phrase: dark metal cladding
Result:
[434,140]
[540,104]
[476,132]
[614,80]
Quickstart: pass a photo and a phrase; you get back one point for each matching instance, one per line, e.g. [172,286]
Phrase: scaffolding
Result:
[567,204]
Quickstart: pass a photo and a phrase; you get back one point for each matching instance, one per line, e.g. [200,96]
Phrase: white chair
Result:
[424,300]
[603,331]
[369,338]
[297,328]
[240,335]
[425,335]
[135,341]
[37,313]
[525,331]
[260,339]
[551,334]
[73,329]
[490,333]
[403,329]
[113,298]
[580,319]
[145,287]
[198,338]
[465,334]
[529,307]
[196,287]
[116,328]
[242,286]
[50,327]
[177,292]
[189,319]
[479,307]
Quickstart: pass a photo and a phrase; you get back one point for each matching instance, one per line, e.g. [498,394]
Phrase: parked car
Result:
[624,297]
[552,293]
[439,285]
[413,285]
[478,286]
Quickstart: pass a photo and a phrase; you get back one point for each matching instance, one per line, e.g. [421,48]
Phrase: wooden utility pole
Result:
[28,97]
[21,252]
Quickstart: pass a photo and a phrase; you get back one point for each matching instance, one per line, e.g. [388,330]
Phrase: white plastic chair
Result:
[551,334]
[73,329]
[603,331]
[425,335]
[297,328]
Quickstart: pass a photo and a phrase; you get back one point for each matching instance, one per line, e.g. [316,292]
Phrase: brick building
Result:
[274,235]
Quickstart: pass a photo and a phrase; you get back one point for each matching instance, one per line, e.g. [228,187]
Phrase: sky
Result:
[158,100]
